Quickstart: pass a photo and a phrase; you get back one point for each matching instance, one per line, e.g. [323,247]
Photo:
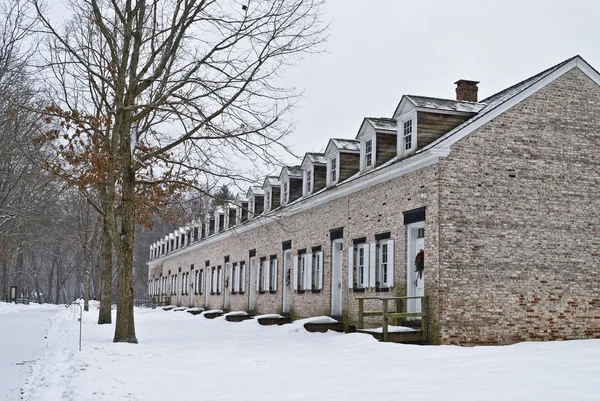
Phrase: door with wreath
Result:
[415,273]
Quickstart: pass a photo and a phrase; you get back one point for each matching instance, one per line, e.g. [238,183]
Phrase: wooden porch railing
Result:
[387,315]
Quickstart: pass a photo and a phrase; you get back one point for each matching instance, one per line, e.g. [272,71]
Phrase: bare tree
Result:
[152,96]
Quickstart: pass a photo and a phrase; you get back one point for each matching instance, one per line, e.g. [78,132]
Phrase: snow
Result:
[391,329]
[268,316]
[236,313]
[183,357]
[213,311]
[22,332]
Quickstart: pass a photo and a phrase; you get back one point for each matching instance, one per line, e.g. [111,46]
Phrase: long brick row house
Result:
[500,198]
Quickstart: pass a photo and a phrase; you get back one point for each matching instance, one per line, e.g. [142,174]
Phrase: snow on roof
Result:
[349,145]
[499,98]
[316,158]
[272,180]
[256,190]
[445,104]
[293,171]
[382,123]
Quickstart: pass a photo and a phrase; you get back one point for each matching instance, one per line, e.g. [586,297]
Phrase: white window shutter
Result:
[372,266]
[257,273]
[267,275]
[351,267]
[390,260]
[295,272]
[320,270]
[275,274]
[308,275]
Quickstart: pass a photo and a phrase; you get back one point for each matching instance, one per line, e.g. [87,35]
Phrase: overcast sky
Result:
[379,50]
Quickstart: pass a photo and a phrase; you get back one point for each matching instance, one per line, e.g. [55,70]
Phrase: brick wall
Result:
[520,222]
[363,214]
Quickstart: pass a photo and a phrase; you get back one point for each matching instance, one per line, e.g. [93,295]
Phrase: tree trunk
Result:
[125,328]
[104,317]
[4,279]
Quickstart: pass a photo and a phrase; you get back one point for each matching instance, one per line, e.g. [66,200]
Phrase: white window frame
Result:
[330,170]
[412,117]
[302,266]
[273,275]
[317,273]
[361,273]
[219,279]
[308,180]
[285,192]
[242,283]
[268,199]
[363,160]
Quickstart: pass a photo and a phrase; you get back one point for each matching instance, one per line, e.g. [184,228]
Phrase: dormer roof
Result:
[343,145]
[271,181]
[290,172]
[433,104]
[317,159]
[255,190]
[377,124]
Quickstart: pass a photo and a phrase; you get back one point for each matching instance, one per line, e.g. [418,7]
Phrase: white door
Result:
[336,278]
[287,280]
[252,285]
[415,286]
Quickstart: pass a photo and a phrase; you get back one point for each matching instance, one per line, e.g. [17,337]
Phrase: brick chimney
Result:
[466,90]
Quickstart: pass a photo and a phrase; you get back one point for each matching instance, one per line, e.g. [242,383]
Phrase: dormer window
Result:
[308,180]
[407,137]
[369,153]
[333,170]
[285,193]
[267,200]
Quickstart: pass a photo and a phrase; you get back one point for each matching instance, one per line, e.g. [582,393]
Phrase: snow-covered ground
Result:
[22,339]
[186,357]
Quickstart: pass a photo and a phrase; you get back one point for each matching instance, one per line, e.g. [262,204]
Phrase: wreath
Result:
[420,263]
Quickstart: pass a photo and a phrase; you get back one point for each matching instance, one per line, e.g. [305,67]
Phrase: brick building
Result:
[501,194]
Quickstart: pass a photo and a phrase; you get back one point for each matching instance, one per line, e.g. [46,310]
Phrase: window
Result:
[262,267]
[333,170]
[228,276]
[369,153]
[360,273]
[358,265]
[302,271]
[219,280]
[421,232]
[317,271]
[267,200]
[284,192]
[273,275]
[385,264]
[184,282]
[407,134]
[235,279]
[213,281]
[309,174]
[242,287]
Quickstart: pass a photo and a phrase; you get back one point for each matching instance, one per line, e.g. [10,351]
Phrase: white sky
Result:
[379,50]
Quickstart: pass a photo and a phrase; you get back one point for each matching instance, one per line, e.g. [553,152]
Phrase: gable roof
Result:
[382,123]
[255,190]
[507,98]
[314,158]
[291,172]
[343,145]
[271,181]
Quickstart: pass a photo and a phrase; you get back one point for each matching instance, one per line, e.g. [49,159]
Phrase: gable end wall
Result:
[520,222]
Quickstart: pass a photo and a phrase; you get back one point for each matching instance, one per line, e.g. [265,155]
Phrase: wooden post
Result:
[385,319]
[424,313]
[361,307]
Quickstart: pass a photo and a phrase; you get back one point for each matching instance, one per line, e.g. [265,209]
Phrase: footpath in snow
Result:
[23,330]
[186,357]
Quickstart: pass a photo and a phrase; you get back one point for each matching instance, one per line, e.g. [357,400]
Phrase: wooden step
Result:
[272,321]
[324,327]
